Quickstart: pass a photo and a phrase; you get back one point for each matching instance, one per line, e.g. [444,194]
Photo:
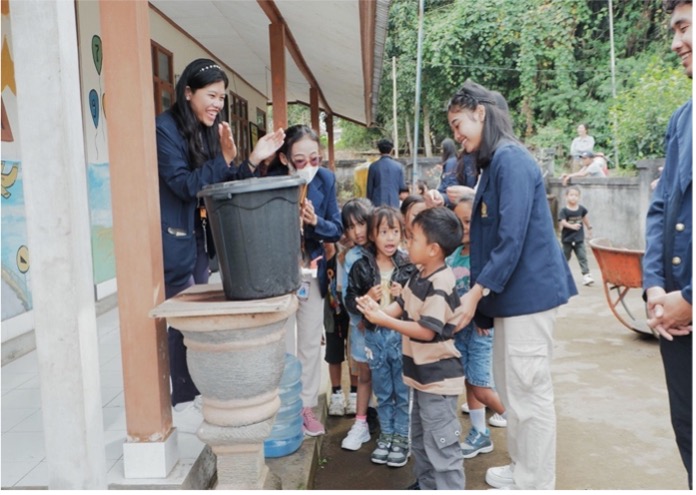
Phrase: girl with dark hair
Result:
[194,148]
[519,278]
[300,154]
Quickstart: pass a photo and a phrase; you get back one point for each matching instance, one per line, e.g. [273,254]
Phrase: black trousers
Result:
[677,360]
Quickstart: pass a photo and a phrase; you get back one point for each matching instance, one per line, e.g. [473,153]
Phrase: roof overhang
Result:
[335,45]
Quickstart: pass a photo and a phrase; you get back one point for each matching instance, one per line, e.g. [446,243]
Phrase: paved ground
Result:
[611,403]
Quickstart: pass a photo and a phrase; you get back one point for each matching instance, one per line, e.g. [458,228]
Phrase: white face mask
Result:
[307,173]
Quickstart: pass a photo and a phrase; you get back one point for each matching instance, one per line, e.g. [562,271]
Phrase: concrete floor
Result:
[612,413]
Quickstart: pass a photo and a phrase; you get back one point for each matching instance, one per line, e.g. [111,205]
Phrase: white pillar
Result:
[53,166]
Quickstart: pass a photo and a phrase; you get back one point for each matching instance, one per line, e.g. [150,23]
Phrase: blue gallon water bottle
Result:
[286,435]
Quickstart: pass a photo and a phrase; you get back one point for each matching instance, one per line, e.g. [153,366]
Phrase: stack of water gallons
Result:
[286,435]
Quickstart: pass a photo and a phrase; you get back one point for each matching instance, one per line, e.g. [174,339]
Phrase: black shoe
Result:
[372,420]
[415,486]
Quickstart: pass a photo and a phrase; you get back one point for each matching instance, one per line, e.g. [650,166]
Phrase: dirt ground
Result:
[612,413]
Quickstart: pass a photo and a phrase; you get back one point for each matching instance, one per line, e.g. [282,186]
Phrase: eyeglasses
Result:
[301,161]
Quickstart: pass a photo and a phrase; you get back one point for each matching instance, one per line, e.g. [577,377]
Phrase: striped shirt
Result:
[432,302]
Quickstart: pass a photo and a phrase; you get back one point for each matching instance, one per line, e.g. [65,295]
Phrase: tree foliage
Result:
[550,59]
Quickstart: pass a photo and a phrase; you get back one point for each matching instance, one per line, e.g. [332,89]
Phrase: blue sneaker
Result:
[477,443]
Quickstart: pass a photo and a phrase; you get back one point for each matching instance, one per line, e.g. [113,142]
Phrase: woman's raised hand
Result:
[267,146]
[227,144]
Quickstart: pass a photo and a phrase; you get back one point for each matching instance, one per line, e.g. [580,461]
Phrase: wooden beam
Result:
[368,13]
[330,139]
[276,32]
[314,109]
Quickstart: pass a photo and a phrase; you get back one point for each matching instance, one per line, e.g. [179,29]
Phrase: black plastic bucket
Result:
[256,230]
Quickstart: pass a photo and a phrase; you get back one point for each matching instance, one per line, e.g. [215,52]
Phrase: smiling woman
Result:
[194,148]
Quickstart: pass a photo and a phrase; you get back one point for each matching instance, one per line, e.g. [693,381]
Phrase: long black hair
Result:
[203,142]
[449,149]
[497,125]
[293,134]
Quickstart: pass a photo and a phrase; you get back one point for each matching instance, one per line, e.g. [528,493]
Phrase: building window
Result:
[239,121]
[163,78]
[261,119]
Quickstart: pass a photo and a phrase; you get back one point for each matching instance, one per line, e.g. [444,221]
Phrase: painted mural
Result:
[96,150]
[14,254]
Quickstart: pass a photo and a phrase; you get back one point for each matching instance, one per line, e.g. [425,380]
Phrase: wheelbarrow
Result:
[622,271]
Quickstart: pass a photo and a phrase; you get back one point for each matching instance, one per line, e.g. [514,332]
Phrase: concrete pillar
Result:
[151,450]
[54,172]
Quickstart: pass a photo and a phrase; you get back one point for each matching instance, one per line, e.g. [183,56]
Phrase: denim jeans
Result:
[477,355]
[385,361]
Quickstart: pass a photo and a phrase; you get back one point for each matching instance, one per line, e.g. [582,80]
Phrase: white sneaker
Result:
[189,415]
[500,477]
[337,406]
[465,408]
[358,435]
[587,279]
[497,420]
[352,406]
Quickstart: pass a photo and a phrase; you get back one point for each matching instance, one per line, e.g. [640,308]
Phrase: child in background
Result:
[476,347]
[572,217]
[336,328]
[380,274]
[355,214]
[410,207]
[431,363]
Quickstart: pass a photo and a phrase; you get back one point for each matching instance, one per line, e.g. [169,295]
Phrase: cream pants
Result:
[522,349]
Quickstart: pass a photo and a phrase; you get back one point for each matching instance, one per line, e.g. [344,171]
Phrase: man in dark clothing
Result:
[385,177]
[667,271]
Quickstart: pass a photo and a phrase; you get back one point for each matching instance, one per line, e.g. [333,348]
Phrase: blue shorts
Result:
[477,355]
[357,340]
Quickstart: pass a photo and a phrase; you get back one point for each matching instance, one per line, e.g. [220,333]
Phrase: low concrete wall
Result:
[617,205]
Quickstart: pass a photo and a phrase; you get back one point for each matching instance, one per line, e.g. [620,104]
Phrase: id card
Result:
[303,291]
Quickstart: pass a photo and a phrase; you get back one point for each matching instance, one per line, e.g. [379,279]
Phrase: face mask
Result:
[307,173]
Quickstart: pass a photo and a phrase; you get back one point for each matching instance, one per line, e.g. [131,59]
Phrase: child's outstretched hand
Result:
[395,289]
[369,307]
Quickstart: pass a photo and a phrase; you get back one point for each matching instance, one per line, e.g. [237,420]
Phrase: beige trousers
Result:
[522,348]
[303,339]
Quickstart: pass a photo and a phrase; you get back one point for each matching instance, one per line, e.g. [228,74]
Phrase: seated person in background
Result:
[593,165]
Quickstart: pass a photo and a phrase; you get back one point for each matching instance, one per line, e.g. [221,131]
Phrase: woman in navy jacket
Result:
[519,278]
[321,222]
[194,148]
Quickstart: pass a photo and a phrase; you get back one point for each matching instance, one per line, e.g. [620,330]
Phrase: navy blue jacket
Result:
[178,186]
[385,178]
[668,246]
[514,249]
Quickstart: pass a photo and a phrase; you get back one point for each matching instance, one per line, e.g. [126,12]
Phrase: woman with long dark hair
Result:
[194,148]
[519,278]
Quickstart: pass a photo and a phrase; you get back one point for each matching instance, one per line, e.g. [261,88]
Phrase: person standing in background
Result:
[667,269]
[583,142]
[385,177]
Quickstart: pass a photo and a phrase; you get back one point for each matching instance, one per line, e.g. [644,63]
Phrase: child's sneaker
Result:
[381,453]
[358,434]
[310,424]
[352,406]
[465,408]
[398,452]
[477,443]
[497,420]
[587,279]
[337,406]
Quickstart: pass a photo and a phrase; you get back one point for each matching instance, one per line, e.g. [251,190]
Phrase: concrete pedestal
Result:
[236,353]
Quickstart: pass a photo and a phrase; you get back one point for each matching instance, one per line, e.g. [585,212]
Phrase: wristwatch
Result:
[484,290]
